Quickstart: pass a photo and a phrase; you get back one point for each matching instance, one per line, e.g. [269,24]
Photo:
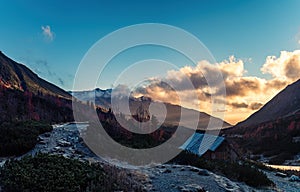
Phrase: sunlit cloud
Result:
[48,33]
[285,67]
[244,94]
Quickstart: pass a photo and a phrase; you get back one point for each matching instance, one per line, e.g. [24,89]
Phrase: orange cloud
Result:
[244,94]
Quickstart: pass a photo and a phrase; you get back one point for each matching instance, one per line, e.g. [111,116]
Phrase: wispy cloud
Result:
[48,33]
[297,37]
[61,81]
[42,67]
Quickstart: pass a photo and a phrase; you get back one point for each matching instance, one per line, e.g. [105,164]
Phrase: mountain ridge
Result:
[286,102]
[25,96]
[18,76]
[270,134]
[103,98]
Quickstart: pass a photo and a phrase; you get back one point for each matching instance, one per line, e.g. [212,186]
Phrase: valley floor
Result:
[65,140]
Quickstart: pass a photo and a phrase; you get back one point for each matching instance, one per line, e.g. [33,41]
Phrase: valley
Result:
[65,140]
[29,104]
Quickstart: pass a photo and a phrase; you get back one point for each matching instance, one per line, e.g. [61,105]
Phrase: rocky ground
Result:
[186,178]
[65,140]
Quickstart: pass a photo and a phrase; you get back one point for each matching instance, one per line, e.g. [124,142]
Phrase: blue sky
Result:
[245,29]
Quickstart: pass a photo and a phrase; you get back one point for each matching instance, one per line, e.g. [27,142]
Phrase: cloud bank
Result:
[244,93]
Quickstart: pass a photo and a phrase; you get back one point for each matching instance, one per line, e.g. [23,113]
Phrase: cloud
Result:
[276,83]
[239,105]
[242,86]
[252,106]
[121,90]
[158,90]
[42,67]
[297,37]
[285,67]
[206,77]
[48,33]
[255,105]
[42,63]
[244,93]
[61,81]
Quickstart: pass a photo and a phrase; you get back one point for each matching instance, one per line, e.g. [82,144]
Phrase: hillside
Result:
[17,76]
[25,96]
[285,103]
[28,105]
[271,133]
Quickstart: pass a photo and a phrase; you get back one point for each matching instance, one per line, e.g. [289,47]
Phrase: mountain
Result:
[25,96]
[17,76]
[103,98]
[272,134]
[285,103]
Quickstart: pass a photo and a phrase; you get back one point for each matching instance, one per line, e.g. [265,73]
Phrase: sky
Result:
[254,43]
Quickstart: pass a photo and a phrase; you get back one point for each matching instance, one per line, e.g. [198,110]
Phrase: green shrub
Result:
[243,172]
[51,173]
[17,138]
